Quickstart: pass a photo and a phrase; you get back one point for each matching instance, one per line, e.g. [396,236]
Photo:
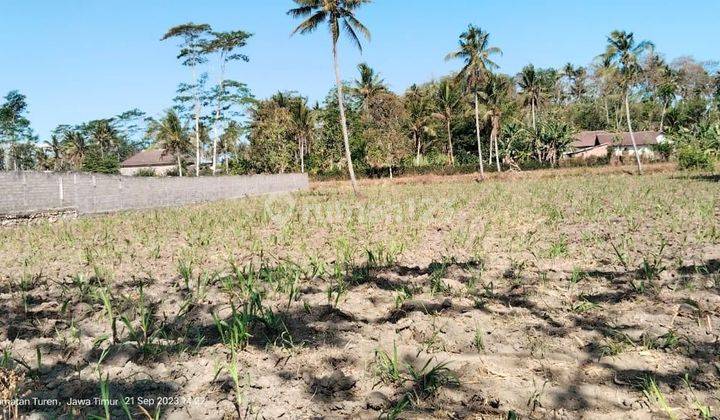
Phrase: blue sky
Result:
[78,60]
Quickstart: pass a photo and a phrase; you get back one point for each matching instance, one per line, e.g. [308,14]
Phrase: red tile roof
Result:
[587,138]
[150,157]
[595,138]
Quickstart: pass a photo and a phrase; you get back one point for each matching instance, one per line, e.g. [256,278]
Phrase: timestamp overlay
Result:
[125,401]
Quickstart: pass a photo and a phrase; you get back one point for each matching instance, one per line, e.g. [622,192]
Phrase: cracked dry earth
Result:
[562,298]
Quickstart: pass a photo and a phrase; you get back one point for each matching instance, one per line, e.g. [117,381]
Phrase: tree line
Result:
[477,116]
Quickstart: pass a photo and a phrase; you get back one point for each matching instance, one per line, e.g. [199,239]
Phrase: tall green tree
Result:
[225,46]
[448,98]
[132,127]
[606,76]
[192,53]
[55,146]
[76,146]
[303,121]
[531,89]
[103,134]
[339,15]
[172,136]
[475,51]
[419,107]
[230,142]
[271,135]
[367,86]
[14,127]
[327,151]
[625,52]
[386,142]
[495,95]
[576,81]
[665,93]
[24,155]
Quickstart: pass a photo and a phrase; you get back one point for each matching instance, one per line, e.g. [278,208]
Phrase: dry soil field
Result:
[586,296]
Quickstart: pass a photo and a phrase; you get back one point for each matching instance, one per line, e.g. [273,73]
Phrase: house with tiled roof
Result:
[151,159]
[598,143]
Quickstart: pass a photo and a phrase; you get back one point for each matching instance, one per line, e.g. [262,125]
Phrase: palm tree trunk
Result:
[536,146]
[197,124]
[490,146]
[450,145]
[496,130]
[607,111]
[416,139]
[216,136]
[477,134]
[302,155]
[662,116]
[391,174]
[532,108]
[215,142]
[179,165]
[343,120]
[632,135]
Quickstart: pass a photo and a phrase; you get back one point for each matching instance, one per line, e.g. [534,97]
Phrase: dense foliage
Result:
[524,120]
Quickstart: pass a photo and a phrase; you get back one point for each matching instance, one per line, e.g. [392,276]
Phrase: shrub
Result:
[664,150]
[94,162]
[692,156]
[145,172]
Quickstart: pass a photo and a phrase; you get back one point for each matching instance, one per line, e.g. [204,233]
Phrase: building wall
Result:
[29,192]
[646,151]
[160,170]
[599,151]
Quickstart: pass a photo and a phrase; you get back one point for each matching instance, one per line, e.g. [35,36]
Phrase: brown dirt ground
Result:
[557,342]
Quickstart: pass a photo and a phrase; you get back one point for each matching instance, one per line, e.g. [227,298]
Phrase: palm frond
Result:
[358,26]
[351,33]
[311,23]
[453,55]
[300,11]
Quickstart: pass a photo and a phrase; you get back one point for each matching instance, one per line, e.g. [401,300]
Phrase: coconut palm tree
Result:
[172,136]
[229,142]
[104,135]
[303,122]
[605,74]
[625,53]
[282,99]
[419,109]
[369,85]
[495,95]
[76,146]
[339,15]
[531,89]
[577,81]
[666,85]
[475,51]
[448,98]
[56,147]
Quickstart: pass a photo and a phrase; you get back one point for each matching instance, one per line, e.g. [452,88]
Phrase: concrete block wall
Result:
[31,192]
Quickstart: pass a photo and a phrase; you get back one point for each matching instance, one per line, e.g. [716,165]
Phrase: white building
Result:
[597,143]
